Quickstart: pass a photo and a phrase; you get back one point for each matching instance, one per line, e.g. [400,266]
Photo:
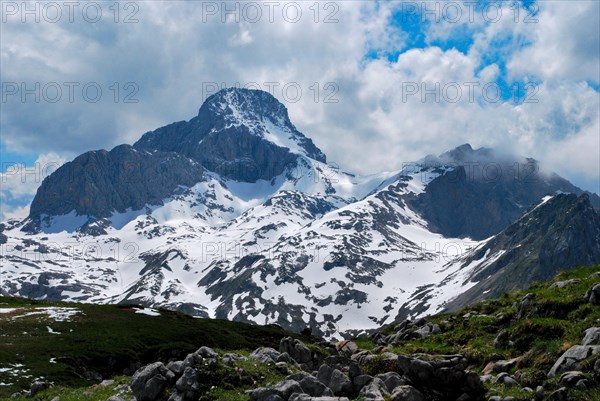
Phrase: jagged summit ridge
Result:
[242,118]
[262,112]
[236,106]
[239,134]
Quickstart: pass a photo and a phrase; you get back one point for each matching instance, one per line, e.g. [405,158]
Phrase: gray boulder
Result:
[188,385]
[558,395]
[407,393]
[339,383]
[374,391]
[359,382]
[313,387]
[500,366]
[295,349]
[192,360]
[149,382]
[347,347]
[334,379]
[265,394]
[391,380]
[572,357]
[230,359]
[207,352]
[571,378]
[562,284]
[592,336]
[593,295]
[507,380]
[281,391]
[539,393]
[427,330]
[444,374]
[176,367]
[38,386]
[324,374]
[502,339]
[265,355]
[525,305]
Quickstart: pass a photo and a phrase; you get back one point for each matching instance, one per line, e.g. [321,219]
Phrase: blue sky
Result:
[154,65]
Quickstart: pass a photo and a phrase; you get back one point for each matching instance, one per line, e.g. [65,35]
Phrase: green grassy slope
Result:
[561,318]
[106,339]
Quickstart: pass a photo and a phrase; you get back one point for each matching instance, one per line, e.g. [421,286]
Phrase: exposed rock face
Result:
[98,183]
[562,233]
[228,136]
[484,193]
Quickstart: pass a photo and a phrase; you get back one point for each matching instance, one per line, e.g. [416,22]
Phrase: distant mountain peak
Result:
[249,104]
[466,153]
[261,114]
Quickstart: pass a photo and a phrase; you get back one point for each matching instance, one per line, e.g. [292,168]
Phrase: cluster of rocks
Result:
[182,377]
[407,330]
[509,381]
[150,382]
[566,368]
[310,376]
[402,378]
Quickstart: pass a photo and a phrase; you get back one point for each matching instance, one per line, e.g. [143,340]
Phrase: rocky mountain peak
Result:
[241,134]
[238,105]
[259,112]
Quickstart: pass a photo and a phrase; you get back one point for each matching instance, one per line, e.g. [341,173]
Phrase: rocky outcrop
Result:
[406,330]
[295,349]
[338,377]
[99,183]
[3,238]
[442,377]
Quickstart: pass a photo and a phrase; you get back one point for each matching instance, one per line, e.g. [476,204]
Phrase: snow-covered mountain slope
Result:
[295,259]
[235,214]
[561,232]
